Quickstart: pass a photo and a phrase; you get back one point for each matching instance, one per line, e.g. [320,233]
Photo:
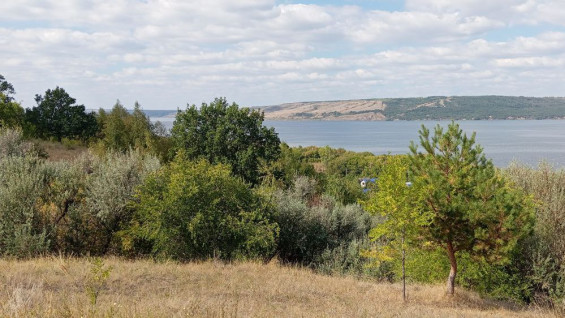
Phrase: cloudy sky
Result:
[167,53]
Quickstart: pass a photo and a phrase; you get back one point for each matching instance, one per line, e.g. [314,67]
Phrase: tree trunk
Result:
[452,271]
[403,269]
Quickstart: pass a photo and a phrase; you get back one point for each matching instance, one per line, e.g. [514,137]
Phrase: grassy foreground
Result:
[55,287]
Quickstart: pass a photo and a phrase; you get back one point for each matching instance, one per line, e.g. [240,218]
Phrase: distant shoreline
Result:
[423,108]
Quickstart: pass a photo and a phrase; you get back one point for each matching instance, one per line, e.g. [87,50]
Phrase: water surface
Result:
[527,141]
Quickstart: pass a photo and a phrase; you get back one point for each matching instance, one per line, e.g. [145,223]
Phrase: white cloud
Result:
[165,53]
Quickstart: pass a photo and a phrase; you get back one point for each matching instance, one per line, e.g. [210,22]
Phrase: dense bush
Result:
[12,143]
[312,224]
[196,210]
[546,252]
[88,201]
[72,207]
[21,183]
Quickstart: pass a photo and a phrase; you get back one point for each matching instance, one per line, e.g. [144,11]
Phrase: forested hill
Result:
[424,108]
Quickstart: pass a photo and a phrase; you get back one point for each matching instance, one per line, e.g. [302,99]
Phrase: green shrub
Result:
[12,143]
[21,183]
[72,207]
[195,210]
[546,253]
[349,259]
[310,223]
[93,195]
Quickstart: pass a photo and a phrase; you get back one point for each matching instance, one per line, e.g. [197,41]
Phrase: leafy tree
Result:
[473,208]
[57,116]
[223,133]
[393,199]
[11,113]
[122,130]
[195,210]
[6,89]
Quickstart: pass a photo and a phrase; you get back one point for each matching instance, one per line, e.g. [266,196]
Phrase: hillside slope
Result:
[423,108]
[55,287]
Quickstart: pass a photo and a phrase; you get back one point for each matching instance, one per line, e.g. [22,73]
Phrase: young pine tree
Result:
[473,207]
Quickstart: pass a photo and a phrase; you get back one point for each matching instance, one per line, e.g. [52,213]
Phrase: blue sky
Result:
[167,53]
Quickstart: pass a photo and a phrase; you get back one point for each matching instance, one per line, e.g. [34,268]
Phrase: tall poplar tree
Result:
[473,208]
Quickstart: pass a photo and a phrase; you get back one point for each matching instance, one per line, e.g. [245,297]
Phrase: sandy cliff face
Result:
[332,110]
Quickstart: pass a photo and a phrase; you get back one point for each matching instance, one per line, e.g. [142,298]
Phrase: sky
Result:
[166,54]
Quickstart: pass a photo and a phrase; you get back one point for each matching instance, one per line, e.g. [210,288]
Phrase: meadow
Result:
[57,287]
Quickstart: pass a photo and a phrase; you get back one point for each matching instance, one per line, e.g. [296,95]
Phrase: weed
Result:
[96,279]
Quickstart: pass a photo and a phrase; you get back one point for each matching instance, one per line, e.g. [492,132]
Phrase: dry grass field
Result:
[56,287]
[57,151]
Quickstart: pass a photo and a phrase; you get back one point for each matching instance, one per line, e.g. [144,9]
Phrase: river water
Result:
[526,141]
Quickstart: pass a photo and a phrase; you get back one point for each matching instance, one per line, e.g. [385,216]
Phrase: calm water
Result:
[527,141]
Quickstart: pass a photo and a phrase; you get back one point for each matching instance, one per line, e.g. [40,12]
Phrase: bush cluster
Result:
[71,207]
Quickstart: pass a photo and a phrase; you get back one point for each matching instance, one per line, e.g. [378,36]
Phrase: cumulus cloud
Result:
[165,53]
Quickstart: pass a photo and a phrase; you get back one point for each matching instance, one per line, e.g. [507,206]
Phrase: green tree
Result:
[223,133]
[11,113]
[195,210]
[393,199]
[57,116]
[6,89]
[473,208]
[122,130]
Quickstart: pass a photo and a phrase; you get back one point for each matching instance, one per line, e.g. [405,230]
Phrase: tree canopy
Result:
[57,116]
[223,133]
[11,113]
[393,199]
[6,89]
[473,207]
[121,130]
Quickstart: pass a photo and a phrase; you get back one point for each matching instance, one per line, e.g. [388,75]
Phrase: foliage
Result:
[310,224]
[196,210]
[394,200]
[473,207]
[122,131]
[227,134]
[11,113]
[87,202]
[71,207]
[546,253]
[97,278]
[57,116]
[348,259]
[12,143]
[6,89]
[21,183]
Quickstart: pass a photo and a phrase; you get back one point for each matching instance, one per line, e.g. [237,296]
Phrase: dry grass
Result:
[57,151]
[54,287]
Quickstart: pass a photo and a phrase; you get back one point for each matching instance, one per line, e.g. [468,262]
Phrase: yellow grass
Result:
[57,151]
[54,287]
